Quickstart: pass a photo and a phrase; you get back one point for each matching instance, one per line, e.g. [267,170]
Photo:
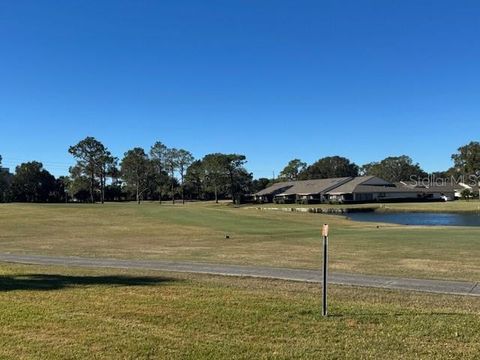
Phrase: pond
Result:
[419,218]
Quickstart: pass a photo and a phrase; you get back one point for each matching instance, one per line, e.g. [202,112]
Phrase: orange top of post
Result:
[325,230]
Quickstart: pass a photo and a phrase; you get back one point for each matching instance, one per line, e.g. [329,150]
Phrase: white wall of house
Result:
[386,196]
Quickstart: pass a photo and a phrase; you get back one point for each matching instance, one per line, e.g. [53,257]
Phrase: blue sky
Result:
[274,80]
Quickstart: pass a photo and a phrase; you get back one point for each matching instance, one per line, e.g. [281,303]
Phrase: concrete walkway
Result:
[432,286]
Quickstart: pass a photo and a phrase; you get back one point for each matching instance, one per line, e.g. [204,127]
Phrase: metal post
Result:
[325,270]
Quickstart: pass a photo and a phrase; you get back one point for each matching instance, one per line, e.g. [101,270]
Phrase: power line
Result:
[20,160]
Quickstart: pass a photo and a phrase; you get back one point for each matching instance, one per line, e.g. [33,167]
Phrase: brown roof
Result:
[318,186]
[346,185]
[372,182]
[398,189]
[304,187]
[275,188]
[390,188]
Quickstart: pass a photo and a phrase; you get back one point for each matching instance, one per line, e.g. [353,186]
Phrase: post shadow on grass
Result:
[353,315]
[48,282]
[365,314]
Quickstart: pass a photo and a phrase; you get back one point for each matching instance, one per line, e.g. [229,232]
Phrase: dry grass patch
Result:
[57,313]
[196,232]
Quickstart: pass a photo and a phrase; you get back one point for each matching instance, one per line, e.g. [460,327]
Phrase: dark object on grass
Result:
[227,236]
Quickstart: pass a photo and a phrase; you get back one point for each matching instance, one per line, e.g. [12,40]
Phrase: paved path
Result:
[433,286]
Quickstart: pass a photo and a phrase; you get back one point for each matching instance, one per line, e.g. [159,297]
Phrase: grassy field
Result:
[55,313]
[197,232]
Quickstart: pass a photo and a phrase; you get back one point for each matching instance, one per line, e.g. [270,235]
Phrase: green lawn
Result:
[197,232]
[59,313]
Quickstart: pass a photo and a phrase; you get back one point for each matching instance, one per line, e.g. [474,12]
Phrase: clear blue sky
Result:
[274,80]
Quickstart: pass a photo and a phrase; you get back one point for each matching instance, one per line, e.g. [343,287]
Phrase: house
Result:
[362,189]
[474,191]
[462,187]
[374,189]
[350,189]
[268,194]
[309,191]
[440,190]
[303,191]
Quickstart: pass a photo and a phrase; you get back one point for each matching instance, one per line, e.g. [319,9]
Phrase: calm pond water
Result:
[411,218]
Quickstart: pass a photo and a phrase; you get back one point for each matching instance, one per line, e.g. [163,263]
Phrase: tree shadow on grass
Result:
[47,282]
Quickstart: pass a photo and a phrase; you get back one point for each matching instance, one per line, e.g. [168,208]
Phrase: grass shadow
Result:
[395,314]
[48,282]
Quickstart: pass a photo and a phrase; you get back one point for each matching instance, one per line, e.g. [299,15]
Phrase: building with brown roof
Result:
[350,190]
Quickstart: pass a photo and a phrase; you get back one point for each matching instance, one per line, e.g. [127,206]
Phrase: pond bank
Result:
[454,207]
[318,210]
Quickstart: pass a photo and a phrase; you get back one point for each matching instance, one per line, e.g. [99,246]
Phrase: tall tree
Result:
[113,191]
[243,184]
[292,170]
[467,159]
[184,160]
[394,169]
[467,162]
[5,181]
[79,185]
[135,168]
[158,154]
[90,155]
[32,183]
[107,168]
[226,171]
[329,167]
[233,164]
[63,185]
[171,165]
[260,184]
[215,174]
[195,178]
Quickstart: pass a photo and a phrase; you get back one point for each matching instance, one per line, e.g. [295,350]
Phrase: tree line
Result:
[170,174]
[160,174]
[466,165]
[393,169]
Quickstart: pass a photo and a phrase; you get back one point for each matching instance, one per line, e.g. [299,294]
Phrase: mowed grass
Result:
[196,232]
[59,313]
